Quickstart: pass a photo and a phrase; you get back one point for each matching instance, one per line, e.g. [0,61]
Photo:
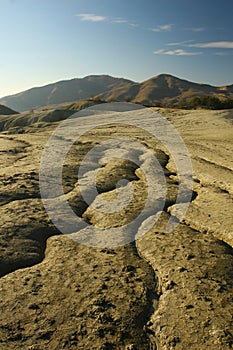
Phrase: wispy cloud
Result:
[178,52]
[162,28]
[120,20]
[90,17]
[197,29]
[224,45]
[123,21]
[180,43]
[214,45]
[206,45]
[221,53]
[133,24]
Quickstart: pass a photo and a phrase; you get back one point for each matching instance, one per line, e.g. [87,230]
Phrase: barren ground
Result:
[164,290]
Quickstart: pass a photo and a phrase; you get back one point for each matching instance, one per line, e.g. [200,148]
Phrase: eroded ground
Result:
[164,291]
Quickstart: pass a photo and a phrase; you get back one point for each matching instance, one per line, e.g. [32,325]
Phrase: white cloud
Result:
[178,52]
[214,45]
[90,17]
[180,43]
[134,25]
[207,45]
[223,53]
[123,21]
[120,20]
[197,29]
[162,28]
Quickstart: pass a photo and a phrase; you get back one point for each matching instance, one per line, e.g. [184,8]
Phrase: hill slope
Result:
[6,111]
[42,117]
[165,89]
[63,91]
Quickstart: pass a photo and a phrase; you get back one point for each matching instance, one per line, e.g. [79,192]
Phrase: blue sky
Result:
[44,41]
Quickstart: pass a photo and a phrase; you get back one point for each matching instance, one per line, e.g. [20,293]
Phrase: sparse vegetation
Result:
[210,102]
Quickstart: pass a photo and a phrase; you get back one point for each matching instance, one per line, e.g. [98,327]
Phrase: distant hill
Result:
[37,119]
[63,91]
[165,90]
[6,111]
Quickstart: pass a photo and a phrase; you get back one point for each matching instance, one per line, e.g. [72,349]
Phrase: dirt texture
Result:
[157,291]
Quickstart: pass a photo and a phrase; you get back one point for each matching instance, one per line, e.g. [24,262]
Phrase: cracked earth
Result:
[161,290]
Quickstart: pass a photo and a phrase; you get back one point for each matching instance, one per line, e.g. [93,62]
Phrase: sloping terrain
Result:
[6,111]
[42,117]
[166,90]
[63,91]
[164,290]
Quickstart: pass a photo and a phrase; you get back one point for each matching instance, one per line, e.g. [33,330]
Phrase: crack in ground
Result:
[105,187]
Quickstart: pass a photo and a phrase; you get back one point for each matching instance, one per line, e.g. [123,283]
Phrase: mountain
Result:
[63,91]
[6,111]
[166,90]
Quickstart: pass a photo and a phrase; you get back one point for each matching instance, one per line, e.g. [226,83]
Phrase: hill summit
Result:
[63,91]
[166,90]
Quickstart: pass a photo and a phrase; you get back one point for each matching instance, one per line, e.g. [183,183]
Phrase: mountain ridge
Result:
[62,91]
[164,89]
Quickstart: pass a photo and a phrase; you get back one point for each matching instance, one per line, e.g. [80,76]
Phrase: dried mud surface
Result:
[162,291]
